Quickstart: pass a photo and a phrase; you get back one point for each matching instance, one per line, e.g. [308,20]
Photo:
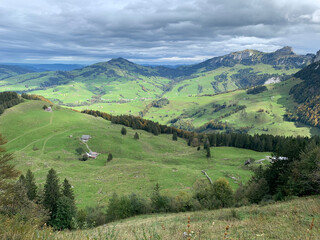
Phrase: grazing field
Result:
[42,140]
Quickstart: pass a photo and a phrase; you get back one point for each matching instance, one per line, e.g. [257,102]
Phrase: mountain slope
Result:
[307,94]
[120,80]
[283,57]
[42,140]
[7,71]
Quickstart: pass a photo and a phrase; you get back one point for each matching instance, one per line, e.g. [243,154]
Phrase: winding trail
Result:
[48,138]
[33,130]
[88,147]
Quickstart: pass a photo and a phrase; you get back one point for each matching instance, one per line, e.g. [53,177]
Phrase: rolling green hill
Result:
[198,95]
[7,71]
[258,113]
[119,80]
[42,140]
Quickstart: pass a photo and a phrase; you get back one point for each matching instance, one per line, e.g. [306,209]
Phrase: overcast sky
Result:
[153,31]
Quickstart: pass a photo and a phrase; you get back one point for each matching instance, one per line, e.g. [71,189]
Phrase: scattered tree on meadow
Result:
[110,157]
[136,136]
[84,157]
[174,136]
[208,155]
[123,131]
[223,192]
[80,150]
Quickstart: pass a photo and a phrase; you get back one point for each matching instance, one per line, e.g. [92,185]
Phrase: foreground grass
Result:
[284,220]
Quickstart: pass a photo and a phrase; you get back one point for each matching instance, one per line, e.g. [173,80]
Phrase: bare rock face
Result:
[317,58]
[285,51]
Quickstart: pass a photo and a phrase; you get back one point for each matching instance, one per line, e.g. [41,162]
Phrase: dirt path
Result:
[35,129]
[87,147]
[48,138]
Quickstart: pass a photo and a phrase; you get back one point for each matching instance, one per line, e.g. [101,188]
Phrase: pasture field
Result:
[42,140]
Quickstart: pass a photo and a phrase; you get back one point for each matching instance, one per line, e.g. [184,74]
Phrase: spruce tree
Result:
[66,210]
[123,131]
[51,192]
[30,185]
[22,180]
[7,174]
[175,136]
[67,189]
[208,153]
[109,157]
[136,136]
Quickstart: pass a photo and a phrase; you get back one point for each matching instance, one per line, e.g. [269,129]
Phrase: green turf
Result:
[42,140]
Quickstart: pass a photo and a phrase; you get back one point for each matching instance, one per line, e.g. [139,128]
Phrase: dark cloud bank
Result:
[153,31]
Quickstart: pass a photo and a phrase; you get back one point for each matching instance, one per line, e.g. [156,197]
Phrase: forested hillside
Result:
[307,94]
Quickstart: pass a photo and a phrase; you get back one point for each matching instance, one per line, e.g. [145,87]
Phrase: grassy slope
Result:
[280,221]
[275,101]
[129,87]
[137,165]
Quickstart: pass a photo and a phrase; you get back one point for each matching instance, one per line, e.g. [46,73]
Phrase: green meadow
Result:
[42,140]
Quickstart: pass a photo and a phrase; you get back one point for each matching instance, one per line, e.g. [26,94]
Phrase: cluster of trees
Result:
[257,90]
[219,194]
[156,103]
[308,113]
[24,201]
[8,100]
[296,175]
[133,122]
[35,97]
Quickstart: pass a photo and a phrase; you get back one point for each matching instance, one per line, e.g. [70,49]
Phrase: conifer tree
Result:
[175,136]
[30,185]
[51,192]
[123,131]
[7,173]
[22,179]
[67,189]
[66,210]
[136,136]
[109,157]
[208,153]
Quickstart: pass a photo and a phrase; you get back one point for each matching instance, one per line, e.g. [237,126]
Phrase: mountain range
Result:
[120,86]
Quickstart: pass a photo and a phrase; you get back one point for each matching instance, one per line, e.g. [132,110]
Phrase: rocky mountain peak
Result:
[317,57]
[285,51]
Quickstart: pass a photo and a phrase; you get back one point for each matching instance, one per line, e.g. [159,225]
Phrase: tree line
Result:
[35,97]
[257,142]
[8,100]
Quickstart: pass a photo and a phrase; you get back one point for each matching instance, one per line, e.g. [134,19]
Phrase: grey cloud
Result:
[155,31]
